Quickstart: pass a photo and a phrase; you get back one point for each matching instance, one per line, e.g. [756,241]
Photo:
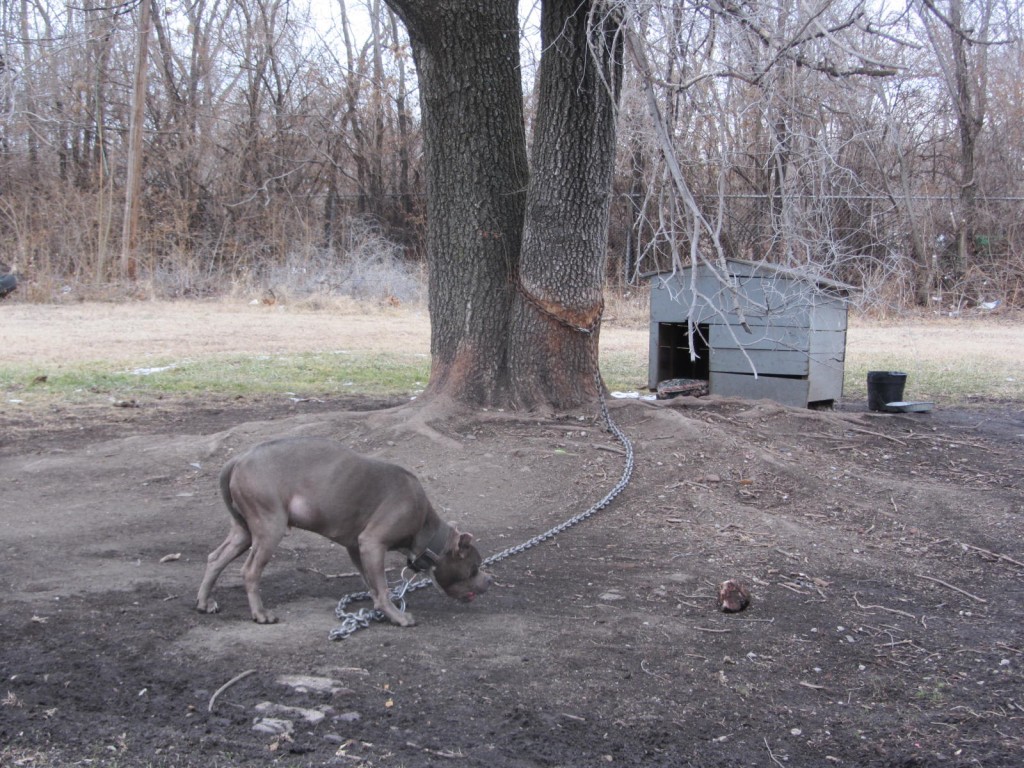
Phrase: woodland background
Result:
[180,149]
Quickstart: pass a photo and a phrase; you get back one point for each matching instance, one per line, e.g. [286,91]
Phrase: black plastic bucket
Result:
[885,387]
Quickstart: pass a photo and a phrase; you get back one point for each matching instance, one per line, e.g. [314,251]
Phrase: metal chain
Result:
[351,622]
[534,302]
[619,487]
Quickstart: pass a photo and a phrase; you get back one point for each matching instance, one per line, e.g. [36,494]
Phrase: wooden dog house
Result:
[758,331]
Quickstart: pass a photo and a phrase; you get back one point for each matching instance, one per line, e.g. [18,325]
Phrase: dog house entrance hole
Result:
[674,352]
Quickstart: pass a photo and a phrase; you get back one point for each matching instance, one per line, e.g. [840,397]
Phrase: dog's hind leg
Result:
[237,541]
[264,542]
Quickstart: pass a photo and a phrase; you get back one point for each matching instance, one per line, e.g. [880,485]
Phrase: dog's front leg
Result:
[370,561]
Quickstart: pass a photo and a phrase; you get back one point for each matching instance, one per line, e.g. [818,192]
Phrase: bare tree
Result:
[760,132]
[961,36]
[133,182]
[882,148]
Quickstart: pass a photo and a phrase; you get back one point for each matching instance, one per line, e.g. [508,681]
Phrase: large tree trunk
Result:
[557,313]
[516,268]
[467,57]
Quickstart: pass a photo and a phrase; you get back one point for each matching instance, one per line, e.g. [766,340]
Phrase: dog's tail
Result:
[225,492]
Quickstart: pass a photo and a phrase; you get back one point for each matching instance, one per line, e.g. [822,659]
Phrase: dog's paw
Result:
[209,607]
[403,620]
[264,618]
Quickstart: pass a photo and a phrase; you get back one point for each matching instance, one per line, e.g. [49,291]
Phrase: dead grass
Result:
[940,340]
[138,332]
[946,359]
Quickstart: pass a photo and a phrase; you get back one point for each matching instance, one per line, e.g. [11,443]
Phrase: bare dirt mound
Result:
[884,555]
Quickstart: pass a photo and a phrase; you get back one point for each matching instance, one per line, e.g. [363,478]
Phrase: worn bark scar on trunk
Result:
[465,376]
[582,320]
[454,372]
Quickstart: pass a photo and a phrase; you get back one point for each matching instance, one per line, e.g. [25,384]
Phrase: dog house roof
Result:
[808,274]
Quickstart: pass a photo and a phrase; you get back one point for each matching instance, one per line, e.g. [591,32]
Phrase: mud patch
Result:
[883,556]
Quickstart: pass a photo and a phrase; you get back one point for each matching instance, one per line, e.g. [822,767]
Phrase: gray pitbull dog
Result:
[367,506]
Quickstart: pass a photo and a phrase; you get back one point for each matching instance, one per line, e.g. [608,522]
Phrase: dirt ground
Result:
[884,554]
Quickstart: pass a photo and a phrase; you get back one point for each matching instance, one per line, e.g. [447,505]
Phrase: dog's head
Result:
[458,571]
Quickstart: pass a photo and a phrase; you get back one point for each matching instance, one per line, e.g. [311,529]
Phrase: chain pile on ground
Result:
[354,621]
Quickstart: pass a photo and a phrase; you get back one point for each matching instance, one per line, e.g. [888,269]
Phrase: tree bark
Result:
[467,59]
[31,116]
[133,182]
[557,312]
[966,75]
[970,119]
[516,266]
[404,187]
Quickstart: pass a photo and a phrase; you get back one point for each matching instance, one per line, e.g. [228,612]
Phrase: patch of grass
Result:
[934,694]
[941,381]
[948,361]
[625,371]
[323,373]
[326,373]
[937,370]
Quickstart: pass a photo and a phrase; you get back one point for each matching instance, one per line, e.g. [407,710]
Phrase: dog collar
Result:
[433,551]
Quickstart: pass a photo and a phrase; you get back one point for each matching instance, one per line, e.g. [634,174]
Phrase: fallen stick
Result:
[793,588]
[347,575]
[955,589]
[447,754]
[996,555]
[690,483]
[882,608]
[228,684]
[951,443]
[772,754]
[874,434]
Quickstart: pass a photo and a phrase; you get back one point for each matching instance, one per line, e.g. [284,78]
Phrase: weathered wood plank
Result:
[786,391]
[764,361]
[760,337]
[825,381]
